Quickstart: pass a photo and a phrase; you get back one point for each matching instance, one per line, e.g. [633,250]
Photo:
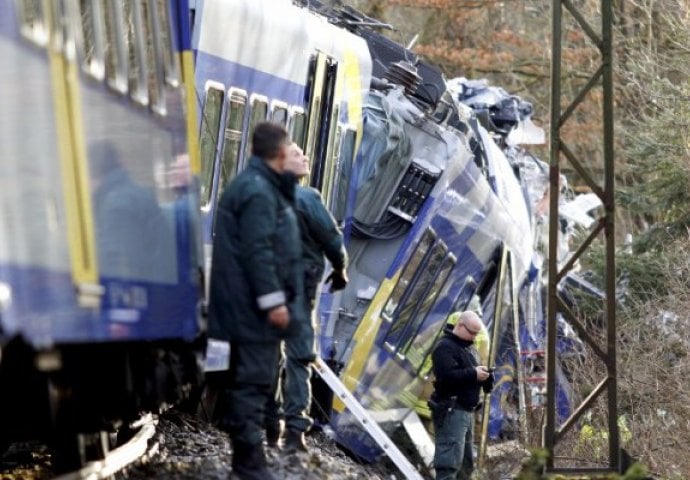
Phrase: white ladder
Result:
[366,421]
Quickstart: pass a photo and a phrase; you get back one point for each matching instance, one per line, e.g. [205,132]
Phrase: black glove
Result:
[488,384]
[338,280]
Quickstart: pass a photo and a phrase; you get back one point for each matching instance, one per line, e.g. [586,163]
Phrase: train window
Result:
[115,47]
[170,59]
[210,127]
[258,113]
[234,119]
[59,31]
[329,169]
[405,314]
[279,113]
[298,121]
[333,170]
[346,156]
[465,295]
[418,353]
[406,278]
[93,36]
[138,67]
[154,56]
[32,21]
[415,345]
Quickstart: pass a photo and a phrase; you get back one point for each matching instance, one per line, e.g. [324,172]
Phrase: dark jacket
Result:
[455,363]
[257,257]
[320,236]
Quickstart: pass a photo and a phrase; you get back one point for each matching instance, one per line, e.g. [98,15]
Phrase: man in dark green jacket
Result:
[320,236]
[256,290]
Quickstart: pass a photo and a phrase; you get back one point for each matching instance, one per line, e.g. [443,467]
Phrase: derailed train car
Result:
[99,229]
[462,235]
[445,214]
[436,217]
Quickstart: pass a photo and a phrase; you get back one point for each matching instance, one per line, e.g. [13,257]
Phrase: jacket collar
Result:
[456,339]
[284,182]
[259,164]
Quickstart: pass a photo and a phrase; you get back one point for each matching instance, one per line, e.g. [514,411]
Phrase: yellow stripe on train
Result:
[364,337]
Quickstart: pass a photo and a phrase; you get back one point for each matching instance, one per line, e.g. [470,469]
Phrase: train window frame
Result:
[411,266]
[34,29]
[297,112]
[406,310]
[234,96]
[206,177]
[116,76]
[279,105]
[254,100]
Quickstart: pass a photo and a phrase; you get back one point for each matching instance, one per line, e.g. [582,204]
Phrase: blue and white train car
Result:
[272,60]
[100,245]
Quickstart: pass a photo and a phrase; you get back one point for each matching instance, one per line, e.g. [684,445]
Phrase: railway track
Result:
[33,462]
[118,458]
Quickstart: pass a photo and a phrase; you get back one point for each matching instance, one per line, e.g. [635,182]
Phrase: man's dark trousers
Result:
[253,372]
[299,353]
[295,395]
[453,455]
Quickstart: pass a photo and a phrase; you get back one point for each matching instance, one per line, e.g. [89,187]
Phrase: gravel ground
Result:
[26,461]
[189,448]
[186,447]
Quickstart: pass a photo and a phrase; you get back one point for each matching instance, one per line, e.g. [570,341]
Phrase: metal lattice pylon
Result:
[607,353]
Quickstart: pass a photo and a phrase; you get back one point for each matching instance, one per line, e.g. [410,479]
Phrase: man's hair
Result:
[267,139]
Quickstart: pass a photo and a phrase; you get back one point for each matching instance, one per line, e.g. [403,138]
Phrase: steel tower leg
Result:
[603,77]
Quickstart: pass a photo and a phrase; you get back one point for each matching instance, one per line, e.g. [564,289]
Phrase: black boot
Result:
[273,434]
[249,462]
[294,441]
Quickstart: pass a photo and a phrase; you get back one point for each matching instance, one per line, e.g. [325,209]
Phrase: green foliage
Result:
[646,274]
[533,469]
[635,472]
[653,84]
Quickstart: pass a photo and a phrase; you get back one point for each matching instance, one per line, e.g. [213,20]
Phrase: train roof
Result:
[384,51]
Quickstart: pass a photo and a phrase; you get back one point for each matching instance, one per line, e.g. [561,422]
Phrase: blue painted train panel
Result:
[144,200]
[44,311]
